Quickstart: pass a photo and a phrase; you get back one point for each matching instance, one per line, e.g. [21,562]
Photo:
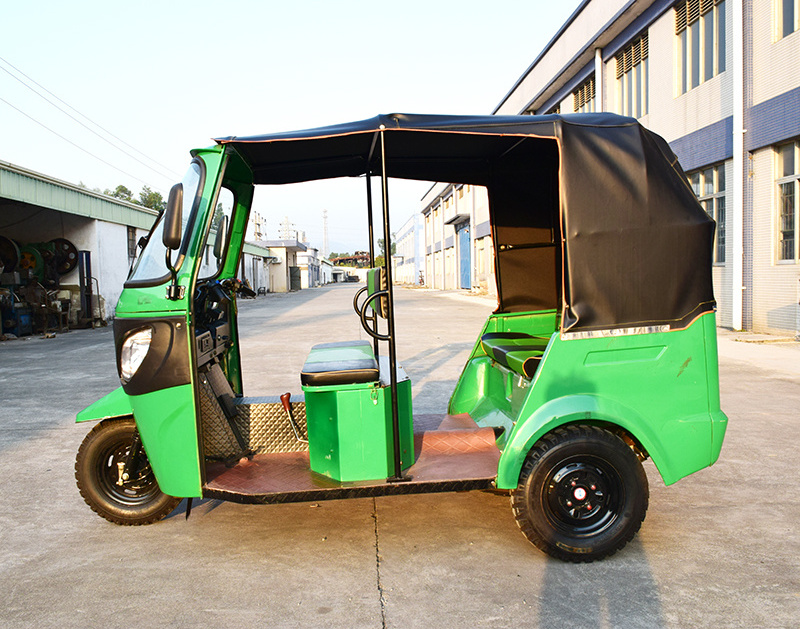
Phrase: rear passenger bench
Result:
[517,351]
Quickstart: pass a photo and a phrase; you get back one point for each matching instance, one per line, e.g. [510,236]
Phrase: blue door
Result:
[464,255]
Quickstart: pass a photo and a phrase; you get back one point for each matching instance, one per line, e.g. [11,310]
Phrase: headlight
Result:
[134,349]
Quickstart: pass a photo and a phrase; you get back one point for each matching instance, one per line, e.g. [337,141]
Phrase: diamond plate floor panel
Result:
[456,456]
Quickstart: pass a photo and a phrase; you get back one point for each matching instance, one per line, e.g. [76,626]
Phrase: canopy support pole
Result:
[387,239]
[371,228]
[373,317]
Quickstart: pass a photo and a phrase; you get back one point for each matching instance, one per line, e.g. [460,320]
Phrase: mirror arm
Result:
[174,291]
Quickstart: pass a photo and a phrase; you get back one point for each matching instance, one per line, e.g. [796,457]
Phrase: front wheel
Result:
[102,457]
[582,494]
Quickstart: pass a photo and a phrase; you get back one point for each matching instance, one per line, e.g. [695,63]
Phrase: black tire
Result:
[582,494]
[139,500]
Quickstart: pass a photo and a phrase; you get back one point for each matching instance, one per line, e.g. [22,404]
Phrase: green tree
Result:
[120,192]
[150,198]
[382,247]
[218,214]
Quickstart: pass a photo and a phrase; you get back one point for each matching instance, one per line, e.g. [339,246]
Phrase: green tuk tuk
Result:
[601,352]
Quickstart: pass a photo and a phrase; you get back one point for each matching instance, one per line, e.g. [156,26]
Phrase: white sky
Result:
[167,76]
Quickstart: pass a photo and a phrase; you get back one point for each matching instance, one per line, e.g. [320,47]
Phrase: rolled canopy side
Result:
[637,242]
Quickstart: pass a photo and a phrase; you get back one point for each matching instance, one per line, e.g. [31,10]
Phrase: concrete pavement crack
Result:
[378,564]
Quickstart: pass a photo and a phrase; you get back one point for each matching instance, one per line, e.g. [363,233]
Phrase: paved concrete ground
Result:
[718,549]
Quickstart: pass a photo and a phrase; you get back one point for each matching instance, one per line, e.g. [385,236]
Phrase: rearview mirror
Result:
[222,237]
[172,217]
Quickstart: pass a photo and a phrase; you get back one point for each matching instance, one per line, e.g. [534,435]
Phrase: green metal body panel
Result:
[243,193]
[115,404]
[350,430]
[660,388]
[167,419]
[166,423]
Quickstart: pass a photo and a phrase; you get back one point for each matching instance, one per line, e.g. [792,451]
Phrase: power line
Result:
[86,118]
[73,143]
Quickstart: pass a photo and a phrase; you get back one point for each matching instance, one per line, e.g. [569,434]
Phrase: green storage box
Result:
[350,434]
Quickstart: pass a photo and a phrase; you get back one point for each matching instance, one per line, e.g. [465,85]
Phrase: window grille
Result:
[689,11]
[583,96]
[632,55]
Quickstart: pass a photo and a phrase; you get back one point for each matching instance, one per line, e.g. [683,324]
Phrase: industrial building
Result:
[66,251]
[409,255]
[720,81]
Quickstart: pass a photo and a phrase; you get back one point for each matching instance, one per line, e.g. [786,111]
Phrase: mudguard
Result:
[664,447]
[115,404]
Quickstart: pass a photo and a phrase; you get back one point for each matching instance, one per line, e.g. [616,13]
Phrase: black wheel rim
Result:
[583,496]
[141,486]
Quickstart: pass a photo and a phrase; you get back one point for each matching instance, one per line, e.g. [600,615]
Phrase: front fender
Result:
[115,404]
[573,409]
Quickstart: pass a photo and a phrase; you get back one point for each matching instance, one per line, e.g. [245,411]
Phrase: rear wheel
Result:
[582,494]
[135,500]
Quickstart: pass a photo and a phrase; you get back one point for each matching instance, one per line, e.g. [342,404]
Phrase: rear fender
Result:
[573,409]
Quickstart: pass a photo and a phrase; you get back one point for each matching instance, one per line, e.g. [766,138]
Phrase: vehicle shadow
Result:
[200,506]
[617,592]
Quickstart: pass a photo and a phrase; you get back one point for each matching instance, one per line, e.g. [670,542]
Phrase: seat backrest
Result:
[376,281]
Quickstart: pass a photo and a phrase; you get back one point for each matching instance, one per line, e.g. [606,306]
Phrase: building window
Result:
[632,78]
[131,243]
[700,30]
[788,176]
[709,186]
[583,97]
[788,17]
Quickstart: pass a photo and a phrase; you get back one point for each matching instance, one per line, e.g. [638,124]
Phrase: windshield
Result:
[152,263]
[209,264]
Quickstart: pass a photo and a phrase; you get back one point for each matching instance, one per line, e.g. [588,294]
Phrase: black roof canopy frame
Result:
[591,213]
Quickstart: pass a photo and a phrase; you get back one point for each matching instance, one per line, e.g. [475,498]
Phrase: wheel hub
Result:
[128,488]
[578,492]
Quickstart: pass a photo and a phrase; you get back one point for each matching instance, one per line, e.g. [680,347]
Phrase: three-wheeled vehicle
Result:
[601,352]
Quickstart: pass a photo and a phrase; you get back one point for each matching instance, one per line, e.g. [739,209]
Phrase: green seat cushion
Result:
[517,351]
[348,362]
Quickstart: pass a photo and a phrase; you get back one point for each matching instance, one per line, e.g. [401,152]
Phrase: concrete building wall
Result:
[110,264]
[279,273]
[326,271]
[776,283]
[308,261]
[775,58]
[671,114]
[410,251]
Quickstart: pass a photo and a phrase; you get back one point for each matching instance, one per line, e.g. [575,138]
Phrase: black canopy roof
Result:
[591,213]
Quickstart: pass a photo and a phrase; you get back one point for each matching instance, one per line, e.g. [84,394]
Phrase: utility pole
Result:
[325,251]
[288,231]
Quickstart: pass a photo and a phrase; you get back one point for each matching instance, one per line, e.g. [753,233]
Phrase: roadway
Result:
[717,549]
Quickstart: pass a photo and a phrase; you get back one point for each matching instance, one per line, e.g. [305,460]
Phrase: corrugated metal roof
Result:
[27,186]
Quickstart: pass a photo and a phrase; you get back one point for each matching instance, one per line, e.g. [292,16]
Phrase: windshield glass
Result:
[210,264]
[152,263]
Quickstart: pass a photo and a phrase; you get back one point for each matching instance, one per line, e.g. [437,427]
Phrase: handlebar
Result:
[363,316]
